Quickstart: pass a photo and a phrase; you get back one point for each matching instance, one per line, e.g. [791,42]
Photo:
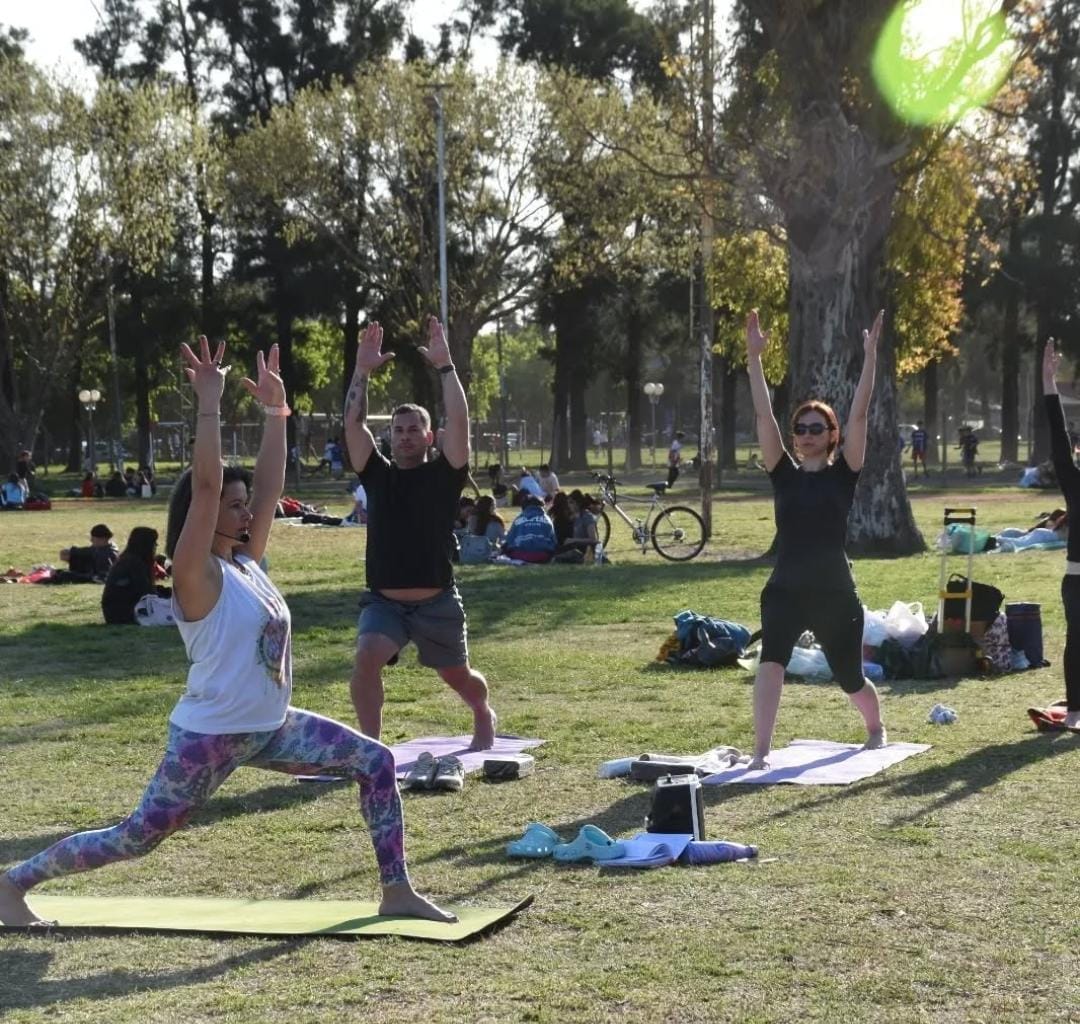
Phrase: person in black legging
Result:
[811,586]
[1069,481]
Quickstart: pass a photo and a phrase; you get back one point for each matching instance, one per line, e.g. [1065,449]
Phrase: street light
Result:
[90,398]
[654,391]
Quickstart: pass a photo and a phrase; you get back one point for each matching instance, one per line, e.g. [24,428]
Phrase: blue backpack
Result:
[708,642]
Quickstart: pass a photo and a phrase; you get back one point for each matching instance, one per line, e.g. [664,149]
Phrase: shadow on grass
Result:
[937,786]
[281,796]
[624,815]
[25,985]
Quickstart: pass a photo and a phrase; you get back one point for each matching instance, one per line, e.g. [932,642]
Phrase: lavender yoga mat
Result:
[819,763]
[405,754]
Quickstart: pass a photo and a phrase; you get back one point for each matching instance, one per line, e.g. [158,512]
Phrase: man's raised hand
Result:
[369,353]
[437,351]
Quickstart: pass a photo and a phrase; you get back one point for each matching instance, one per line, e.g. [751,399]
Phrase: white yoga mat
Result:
[819,763]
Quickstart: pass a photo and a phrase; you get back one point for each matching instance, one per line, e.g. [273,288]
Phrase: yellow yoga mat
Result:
[352,919]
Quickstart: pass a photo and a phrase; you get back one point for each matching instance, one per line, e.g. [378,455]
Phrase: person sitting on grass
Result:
[13,494]
[237,630]
[562,518]
[485,521]
[583,538]
[95,561]
[531,537]
[132,578]
[116,486]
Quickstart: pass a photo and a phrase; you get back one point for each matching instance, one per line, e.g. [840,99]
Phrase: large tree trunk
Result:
[837,259]
[1010,357]
[930,411]
[728,384]
[579,436]
[632,373]
[560,436]
[142,379]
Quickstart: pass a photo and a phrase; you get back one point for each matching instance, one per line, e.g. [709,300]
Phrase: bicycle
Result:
[677,532]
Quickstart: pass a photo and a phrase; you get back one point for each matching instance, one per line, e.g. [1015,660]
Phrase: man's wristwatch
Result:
[449,368]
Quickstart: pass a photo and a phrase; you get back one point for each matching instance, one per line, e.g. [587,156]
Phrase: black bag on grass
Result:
[985,599]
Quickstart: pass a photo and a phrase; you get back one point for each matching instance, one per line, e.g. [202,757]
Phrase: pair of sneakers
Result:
[430,772]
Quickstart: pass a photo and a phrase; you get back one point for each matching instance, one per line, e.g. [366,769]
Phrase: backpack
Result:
[475,549]
[708,642]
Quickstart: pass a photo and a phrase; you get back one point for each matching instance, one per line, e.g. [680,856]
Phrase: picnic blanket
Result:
[819,763]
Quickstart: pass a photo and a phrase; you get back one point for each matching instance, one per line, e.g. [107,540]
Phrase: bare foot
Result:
[757,763]
[14,911]
[402,900]
[484,722]
[876,740]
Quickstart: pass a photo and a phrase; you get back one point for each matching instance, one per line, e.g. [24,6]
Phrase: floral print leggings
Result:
[195,764]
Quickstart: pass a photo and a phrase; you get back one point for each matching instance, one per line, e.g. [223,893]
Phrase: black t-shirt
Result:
[1066,470]
[811,510]
[411,517]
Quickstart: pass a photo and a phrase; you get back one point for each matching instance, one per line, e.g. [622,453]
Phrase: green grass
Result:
[941,890]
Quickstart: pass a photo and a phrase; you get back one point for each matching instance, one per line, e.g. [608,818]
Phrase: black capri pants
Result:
[834,616]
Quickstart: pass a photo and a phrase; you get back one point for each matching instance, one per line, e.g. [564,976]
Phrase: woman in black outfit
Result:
[131,578]
[811,586]
[1069,481]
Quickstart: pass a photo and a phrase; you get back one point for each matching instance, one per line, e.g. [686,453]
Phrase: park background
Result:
[622,182]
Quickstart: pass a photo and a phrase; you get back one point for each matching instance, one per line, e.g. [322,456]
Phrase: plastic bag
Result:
[905,622]
[808,662]
[875,628]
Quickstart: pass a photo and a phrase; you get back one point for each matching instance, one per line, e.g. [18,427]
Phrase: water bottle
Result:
[704,852]
[873,671]
[598,553]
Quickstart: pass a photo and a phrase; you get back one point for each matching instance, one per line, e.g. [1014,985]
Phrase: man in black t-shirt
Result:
[412,508]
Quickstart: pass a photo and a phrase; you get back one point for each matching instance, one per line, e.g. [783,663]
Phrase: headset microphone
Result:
[244,537]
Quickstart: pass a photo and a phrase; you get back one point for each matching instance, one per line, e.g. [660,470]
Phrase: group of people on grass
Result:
[237,630]
[129,576]
[562,529]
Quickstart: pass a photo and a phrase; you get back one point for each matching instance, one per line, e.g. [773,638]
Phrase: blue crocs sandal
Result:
[538,841]
[592,843]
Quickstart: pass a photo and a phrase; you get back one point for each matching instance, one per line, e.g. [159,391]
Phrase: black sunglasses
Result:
[816,429]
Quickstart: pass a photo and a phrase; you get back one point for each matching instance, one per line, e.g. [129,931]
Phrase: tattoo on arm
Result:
[358,399]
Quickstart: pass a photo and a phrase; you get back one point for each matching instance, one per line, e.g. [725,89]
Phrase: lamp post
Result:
[440,154]
[654,391]
[90,398]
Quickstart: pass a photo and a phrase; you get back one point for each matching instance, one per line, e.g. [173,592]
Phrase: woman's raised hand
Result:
[205,372]
[269,389]
[1051,359]
[756,339]
[873,336]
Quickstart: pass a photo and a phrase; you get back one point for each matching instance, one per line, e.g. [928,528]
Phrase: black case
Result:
[677,807]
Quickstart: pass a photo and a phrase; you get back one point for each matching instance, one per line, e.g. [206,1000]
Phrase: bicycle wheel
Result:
[603,527]
[678,533]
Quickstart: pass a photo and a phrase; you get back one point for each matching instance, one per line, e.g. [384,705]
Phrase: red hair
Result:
[826,413]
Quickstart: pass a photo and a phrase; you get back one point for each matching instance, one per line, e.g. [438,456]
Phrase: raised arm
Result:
[855,432]
[772,445]
[1060,443]
[455,445]
[196,579]
[269,478]
[369,357]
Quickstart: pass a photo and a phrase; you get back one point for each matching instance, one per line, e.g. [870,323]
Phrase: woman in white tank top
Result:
[236,628]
